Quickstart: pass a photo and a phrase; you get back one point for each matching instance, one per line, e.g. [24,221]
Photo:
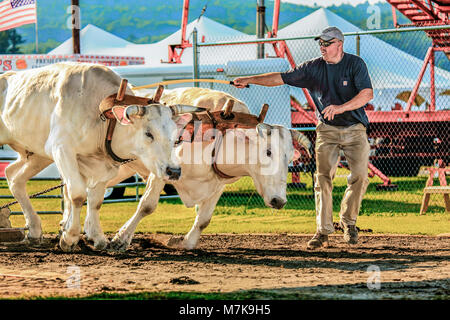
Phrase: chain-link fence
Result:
[406,135]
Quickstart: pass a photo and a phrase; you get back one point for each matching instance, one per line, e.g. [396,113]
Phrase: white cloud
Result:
[327,3]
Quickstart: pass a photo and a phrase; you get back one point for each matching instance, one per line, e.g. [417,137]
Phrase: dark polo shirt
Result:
[333,84]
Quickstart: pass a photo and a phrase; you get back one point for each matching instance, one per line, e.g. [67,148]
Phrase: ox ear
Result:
[261,128]
[297,155]
[124,114]
[302,140]
[121,116]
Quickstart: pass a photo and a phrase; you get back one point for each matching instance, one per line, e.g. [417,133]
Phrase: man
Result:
[340,87]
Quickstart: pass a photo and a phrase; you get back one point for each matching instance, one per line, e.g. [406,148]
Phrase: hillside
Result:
[149,21]
[146,21]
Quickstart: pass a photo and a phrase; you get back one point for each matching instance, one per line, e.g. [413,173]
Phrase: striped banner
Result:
[26,61]
[15,13]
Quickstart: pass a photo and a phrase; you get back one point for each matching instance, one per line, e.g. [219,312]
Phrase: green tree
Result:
[10,41]
[4,41]
[15,39]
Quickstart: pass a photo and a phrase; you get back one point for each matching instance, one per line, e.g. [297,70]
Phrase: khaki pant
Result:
[329,142]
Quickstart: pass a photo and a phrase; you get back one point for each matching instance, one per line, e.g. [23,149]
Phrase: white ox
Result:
[199,184]
[51,114]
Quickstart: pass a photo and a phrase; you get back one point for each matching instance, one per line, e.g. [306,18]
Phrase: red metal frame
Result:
[282,50]
[429,59]
[176,50]
[427,13]
[404,125]
[420,12]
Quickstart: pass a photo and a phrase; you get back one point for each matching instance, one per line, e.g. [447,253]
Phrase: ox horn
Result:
[182,108]
[137,111]
[303,140]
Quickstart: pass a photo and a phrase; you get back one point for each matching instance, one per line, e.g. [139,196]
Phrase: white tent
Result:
[211,60]
[391,69]
[93,40]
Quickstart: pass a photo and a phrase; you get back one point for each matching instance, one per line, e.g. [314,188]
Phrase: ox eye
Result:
[268,152]
[149,134]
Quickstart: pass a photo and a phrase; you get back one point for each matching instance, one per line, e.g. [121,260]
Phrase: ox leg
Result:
[92,226]
[18,173]
[76,192]
[204,213]
[146,206]
[67,210]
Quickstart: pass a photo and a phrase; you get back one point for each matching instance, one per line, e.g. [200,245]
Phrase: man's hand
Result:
[241,82]
[332,110]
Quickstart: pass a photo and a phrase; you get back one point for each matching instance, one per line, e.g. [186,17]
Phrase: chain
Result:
[34,195]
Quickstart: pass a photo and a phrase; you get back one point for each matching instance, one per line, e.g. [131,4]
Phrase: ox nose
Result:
[173,173]
[277,203]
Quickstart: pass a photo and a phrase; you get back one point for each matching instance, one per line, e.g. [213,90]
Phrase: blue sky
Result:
[328,3]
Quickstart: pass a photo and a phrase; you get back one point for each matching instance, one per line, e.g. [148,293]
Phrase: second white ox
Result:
[52,114]
[199,184]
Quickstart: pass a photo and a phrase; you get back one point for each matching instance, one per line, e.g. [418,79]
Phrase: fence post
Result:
[195,55]
[260,24]
[137,187]
[358,45]
[62,199]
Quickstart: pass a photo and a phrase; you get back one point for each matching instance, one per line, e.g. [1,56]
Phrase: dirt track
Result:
[411,267]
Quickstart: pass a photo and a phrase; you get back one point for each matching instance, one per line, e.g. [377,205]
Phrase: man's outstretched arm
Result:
[271,79]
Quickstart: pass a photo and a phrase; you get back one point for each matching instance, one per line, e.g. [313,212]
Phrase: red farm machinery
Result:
[403,140]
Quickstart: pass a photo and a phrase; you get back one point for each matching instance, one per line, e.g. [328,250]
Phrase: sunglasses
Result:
[325,43]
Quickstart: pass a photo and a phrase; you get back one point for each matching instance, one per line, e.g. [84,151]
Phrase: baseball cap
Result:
[330,33]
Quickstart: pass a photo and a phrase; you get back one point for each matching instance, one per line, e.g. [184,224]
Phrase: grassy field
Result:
[241,210]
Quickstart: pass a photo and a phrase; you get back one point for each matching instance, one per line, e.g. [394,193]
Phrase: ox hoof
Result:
[118,245]
[32,242]
[100,242]
[176,242]
[67,246]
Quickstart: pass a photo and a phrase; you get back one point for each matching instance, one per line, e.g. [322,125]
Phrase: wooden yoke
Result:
[122,100]
[223,121]
[228,120]
[122,89]
[158,94]
[262,114]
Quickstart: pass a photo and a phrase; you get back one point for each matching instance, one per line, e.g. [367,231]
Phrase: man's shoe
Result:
[350,234]
[318,241]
